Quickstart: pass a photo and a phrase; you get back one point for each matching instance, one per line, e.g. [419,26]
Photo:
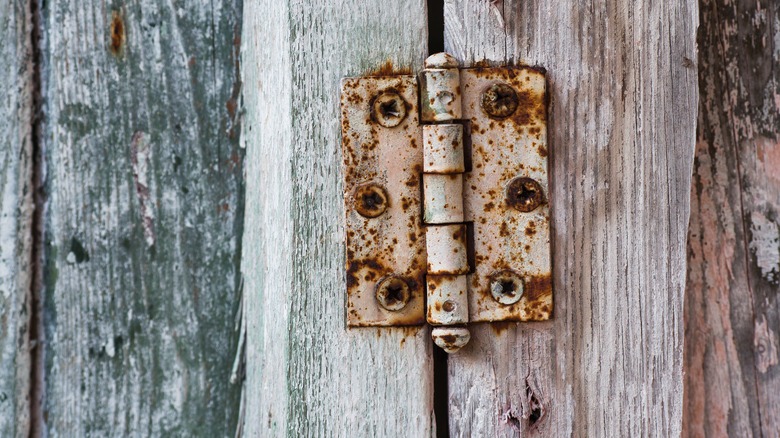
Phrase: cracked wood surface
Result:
[307,374]
[144,186]
[732,384]
[16,208]
[623,88]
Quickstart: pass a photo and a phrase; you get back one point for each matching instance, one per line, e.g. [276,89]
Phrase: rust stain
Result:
[116,34]
[449,339]
[537,287]
[387,69]
[500,327]
[481,64]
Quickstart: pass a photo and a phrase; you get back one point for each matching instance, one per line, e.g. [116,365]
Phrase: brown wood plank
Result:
[621,136]
[732,316]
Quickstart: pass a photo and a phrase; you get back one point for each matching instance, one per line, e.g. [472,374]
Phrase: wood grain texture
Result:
[307,374]
[16,207]
[622,116]
[144,217]
[732,317]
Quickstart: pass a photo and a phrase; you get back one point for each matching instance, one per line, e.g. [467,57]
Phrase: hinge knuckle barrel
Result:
[443,198]
[443,149]
[448,302]
[445,236]
[446,245]
[440,90]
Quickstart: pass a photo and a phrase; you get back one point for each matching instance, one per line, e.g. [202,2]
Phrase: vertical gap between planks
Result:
[435,26]
[37,343]
[441,405]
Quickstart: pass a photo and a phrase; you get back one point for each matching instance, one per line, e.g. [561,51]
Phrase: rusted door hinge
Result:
[446,199]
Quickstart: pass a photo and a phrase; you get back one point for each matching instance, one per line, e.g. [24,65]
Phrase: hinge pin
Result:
[443,167]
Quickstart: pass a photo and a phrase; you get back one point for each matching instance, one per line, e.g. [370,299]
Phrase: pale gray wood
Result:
[144,217]
[307,374]
[732,313]
[16,208]
[623,98]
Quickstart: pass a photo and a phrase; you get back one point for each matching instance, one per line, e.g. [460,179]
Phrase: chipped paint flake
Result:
[141,156]
[765,246]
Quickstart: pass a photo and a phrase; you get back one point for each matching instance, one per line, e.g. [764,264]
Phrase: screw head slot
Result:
[370,200]
[524,194]
[506,287]
[499,101]
[393,293]
[388,109]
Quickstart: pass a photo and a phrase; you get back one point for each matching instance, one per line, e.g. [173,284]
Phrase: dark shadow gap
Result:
[435,26]
[441,403]
[36,254]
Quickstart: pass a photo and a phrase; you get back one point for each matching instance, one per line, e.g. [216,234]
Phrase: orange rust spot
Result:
[355,266]
[449,339]
[117,34]
[501,327]
[458,235]
[536,287]
[387,69]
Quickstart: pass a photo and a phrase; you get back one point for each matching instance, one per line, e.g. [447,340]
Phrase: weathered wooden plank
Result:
[144,217]
[16,207]
[307,374]
[732,382]
[621,132]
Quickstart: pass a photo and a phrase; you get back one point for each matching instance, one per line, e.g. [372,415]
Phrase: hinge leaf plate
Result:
[390,245]
[506,239]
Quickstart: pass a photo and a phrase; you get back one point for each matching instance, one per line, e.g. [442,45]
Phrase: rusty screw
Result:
[388,109]
[370,200]
[506,287]
[524,194]
[393,293]
[499,101]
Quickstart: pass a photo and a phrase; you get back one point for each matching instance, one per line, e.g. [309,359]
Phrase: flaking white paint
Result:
[765,245]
